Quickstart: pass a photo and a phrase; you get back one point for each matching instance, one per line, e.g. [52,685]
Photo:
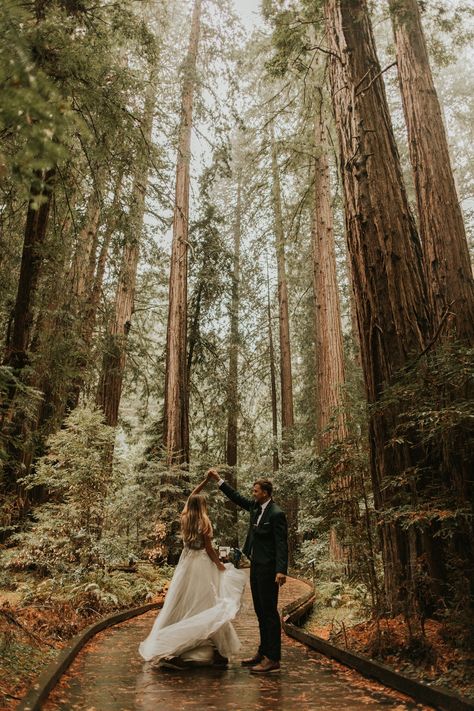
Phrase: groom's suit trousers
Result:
[265,601]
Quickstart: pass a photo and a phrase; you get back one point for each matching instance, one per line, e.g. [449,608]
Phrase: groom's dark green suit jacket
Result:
[266,543]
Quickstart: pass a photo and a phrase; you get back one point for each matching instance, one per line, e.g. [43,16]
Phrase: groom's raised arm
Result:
[231,493]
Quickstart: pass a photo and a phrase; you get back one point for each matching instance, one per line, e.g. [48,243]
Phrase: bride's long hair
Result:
[194,519]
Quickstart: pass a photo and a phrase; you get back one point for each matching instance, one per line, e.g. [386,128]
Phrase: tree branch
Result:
[382,71]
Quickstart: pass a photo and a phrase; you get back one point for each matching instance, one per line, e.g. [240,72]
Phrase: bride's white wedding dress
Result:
[196,616]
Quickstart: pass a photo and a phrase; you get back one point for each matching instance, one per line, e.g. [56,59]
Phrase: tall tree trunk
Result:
[442,232]
[388,281]
[50,352]
[31,261]
[331,424]
[86,239]
[233,385]
[16,356]
[44,348]
[93,300]
[286,378]
[273,389]
[330,418]
[82,281]
[443,238]
[109,390]
[287,417]
[194,326]
[95,279]
[176,406]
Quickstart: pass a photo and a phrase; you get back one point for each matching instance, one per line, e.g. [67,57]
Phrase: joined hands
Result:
[212,474]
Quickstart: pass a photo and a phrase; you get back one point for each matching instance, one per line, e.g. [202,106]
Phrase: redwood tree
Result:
[36,226]
[273,387]
[389,286]
[442,231]
[232,383]
[176,406]
[286,378]
[330,419]
[19,335]
[331,423]
[447,261]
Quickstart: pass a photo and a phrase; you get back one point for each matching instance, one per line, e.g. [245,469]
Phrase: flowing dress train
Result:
[196,616]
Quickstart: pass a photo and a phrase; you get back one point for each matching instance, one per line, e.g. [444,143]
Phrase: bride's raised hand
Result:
[212,474]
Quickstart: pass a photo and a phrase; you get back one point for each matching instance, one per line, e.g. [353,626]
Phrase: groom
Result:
[267,547]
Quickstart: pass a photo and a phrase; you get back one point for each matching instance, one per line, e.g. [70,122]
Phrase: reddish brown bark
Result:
[331,425]
[232,382]
[388,281]
[273,389]
[176,406]
[286,378]
[330,418]
[443,237]
[442,231]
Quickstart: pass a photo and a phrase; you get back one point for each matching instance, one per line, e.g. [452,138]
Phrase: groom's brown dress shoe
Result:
[252,661]
[266,666]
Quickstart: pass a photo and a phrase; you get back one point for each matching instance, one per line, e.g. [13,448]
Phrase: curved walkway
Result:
[109,675]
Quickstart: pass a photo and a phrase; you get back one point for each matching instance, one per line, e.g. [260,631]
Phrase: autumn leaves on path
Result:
[109,675]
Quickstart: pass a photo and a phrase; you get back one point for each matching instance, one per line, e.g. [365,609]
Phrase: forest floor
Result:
[33,632]
[435,657]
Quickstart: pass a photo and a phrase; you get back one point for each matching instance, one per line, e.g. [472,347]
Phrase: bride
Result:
[194,626]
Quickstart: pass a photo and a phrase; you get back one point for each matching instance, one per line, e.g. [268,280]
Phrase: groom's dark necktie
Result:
[259,511]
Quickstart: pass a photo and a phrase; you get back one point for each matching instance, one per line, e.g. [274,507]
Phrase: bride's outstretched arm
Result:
[199,487]
[195,491]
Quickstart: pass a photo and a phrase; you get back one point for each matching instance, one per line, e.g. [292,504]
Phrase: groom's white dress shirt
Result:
[264,506]
[221,481]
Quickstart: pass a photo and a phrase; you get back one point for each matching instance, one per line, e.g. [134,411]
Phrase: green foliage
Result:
[24,403]
[62,74]
[293,29]
[433,397]
[73,78]
[21,407]
[98,591]
[33,113]
[68,529]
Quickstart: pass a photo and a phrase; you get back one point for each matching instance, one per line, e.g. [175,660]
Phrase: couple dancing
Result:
[194,626]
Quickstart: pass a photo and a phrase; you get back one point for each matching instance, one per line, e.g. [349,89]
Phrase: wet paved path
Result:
[109,675]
